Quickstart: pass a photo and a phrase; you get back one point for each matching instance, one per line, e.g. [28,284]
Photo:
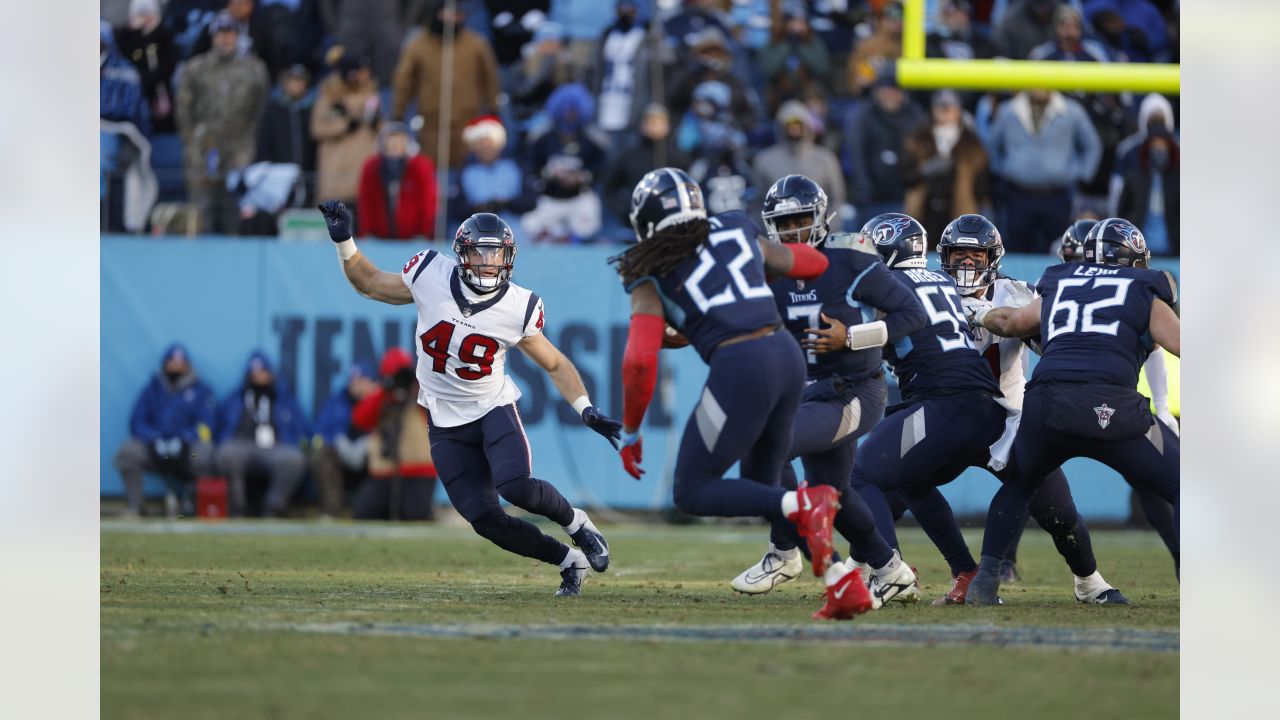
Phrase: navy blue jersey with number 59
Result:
[940,359]
[720,292]
[1094,322]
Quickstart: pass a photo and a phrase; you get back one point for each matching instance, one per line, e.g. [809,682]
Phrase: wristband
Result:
[867,335]
[581,404]
[346,249]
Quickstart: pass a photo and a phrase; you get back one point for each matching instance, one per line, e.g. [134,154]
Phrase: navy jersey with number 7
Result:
[939,359]
[720,292]
[1094,321]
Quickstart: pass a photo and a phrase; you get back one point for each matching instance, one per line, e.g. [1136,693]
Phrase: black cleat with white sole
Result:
[571,579]
[1110,596]
[592,544]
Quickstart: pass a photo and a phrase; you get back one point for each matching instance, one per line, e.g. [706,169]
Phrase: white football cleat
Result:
[895,581]
[863,569]
[1094,590]
[776,567]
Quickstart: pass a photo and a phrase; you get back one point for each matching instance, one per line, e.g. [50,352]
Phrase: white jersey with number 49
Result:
[1006,356]
[463,337]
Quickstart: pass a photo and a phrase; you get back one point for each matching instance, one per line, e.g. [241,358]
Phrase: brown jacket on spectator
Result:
[967,191]
[475,87]
[869,58]
[343,134]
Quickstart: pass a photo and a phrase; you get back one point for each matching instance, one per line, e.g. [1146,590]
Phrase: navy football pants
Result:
[490,458]
[826,441]
[745,415]
[1149,462]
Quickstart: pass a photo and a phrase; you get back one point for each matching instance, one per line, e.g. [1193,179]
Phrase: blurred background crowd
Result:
[233,117]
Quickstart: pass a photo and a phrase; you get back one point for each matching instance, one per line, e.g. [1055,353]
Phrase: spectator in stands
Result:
[149,46]
[876,140]
[170,430]
[873,57]
[344,123]
[511,27]
[1149,191]
[400,467]
[621,73]
[1133,28]
[945,167]
[284,132]
[955,37]
[121,96]
[397,189]
[1069,43]
[219,97]
[474,83]
[260,428]
[795,59]
[187,20]
[545,68]
[489,182]
[712,59]
[716,148]
[339,450]
[653,147]
[248,29]
[826,132]
[372,29]
[684,29]
[1154,113]
[568,156]
[1042,144]
[797,153]
[1026,24]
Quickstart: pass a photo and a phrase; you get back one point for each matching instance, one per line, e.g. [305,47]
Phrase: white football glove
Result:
[1168,419]
[975,309]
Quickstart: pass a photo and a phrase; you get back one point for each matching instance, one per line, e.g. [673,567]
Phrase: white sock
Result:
[575,558]
[579,517]
[894,559]
[784,554]
[790,503]
[835,572]
[1090,584]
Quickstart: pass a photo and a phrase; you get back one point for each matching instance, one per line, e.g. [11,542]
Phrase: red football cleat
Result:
[818,505]
[846,598]
[959,588]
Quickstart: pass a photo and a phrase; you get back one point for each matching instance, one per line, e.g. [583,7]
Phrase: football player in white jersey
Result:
[469,314]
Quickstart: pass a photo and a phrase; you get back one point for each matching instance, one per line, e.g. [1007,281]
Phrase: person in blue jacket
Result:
[340,451]
[169,432]
[260,429]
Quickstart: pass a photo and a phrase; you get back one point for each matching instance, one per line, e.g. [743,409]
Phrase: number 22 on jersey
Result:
[707,260]
[475,349]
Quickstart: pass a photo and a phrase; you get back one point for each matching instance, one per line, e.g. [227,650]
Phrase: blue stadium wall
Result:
[225,297]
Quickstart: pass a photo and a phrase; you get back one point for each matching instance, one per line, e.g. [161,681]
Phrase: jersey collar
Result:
[469,308]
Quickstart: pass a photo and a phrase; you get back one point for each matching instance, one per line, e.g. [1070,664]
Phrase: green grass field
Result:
[303,620]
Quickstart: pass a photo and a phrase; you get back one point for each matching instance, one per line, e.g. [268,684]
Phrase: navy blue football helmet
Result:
[971,231]
[486,251]
[1116,241]
[1071,246]
[900,239]
[796,195]
[665,197]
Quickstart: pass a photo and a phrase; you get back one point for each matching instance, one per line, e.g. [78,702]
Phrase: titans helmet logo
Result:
[1132,236]
[889,230]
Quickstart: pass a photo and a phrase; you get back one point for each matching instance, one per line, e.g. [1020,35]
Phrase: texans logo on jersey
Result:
[889,230]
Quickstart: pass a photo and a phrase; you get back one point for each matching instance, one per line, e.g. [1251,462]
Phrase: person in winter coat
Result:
[474,83]
[170,432]
[121,96]
[284,133]
[344,123]
[876,140]
[945,167]
[339,450]
[397,189]
[1150,194]
[402,477]
[568,155]
[147,44]
[489,182]
[653,147]
[795,59]
[219,97]
[260,429]
[797,153]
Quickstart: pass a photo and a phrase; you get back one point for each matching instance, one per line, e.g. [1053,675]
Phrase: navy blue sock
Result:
[1008,514]
[934,514]
[881,514]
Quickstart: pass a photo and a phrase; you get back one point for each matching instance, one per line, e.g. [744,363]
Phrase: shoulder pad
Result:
[850,241]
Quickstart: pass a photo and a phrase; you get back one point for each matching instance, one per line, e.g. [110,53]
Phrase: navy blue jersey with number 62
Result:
[1094,322]
[939,359]
[720,292]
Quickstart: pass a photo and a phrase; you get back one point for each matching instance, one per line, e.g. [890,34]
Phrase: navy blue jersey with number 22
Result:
[939,359]
[720,292]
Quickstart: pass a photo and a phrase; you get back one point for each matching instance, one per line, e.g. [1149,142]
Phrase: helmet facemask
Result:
[486,263]
[971,272]
[806,226]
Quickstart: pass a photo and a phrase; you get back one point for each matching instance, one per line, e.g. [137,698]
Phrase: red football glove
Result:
[631,452]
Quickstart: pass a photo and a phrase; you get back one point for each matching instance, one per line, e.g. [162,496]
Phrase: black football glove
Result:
[609,428]
[338,220]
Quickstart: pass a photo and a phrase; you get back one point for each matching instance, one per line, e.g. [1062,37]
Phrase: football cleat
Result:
[1110,596]
[1094,590]
[573,575]
[773,569]
[1009,571]
[959,589]
[863,568]
[846,597]
[818,505]
[895,581]
[592,543]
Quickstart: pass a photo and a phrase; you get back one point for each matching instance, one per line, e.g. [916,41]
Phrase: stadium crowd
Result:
[230,116]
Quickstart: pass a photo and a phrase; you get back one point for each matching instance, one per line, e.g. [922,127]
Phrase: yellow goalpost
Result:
[917,72]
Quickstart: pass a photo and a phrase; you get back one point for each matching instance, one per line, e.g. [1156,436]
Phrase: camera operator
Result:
[402,478]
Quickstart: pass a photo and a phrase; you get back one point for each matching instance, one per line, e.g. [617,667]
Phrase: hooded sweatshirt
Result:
[247,409]
[173,407]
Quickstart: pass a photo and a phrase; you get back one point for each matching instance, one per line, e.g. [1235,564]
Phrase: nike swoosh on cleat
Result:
[840,593]
[884,593]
